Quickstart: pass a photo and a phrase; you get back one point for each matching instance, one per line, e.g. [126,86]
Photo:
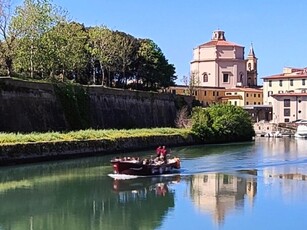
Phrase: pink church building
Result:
[220,63]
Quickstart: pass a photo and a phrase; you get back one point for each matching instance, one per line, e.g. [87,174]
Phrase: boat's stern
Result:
[177,163]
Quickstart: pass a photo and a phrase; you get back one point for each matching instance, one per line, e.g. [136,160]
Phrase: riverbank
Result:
[30,152]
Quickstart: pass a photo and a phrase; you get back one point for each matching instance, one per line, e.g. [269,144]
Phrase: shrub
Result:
[222,122]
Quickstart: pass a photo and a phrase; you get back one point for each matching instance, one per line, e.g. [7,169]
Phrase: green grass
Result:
[89,134]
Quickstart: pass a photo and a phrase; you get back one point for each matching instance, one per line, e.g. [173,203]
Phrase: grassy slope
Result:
[90,134]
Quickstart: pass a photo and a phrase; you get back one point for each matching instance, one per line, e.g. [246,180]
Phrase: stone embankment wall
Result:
[262,128]
[27,106]
[37,152]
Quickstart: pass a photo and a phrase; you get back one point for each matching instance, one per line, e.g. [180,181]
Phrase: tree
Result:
[152,66]
[8,38]
[222,122]
[126,48]
[191,82]
[30,22]
[64,47]
[101,47]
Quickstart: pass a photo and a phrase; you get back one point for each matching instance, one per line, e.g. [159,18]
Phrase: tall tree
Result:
[64,47]
[102,48]
[126,47]
[7,36]
[31,21]
[153,68]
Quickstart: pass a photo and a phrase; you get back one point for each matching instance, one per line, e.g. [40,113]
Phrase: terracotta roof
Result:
[219,43]
[243,89]
[300,74]
[289,94]
[196,87]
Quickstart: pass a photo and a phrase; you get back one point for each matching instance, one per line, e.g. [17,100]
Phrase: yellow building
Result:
[243,96]
[206,95]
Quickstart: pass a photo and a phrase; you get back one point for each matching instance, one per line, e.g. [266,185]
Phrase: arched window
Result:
[205,77]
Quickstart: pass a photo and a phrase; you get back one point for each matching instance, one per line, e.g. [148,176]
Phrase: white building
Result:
[287,93]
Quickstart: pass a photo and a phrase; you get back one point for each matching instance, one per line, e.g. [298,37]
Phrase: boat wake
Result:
[123,176]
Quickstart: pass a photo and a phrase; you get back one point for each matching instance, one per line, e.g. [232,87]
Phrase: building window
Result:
[247,95]
[173,91]
[280,82]
[235,102]
[287,120]
[286,102]
[303,81]
[247,102]
[213,93]
[259,95]
[259,103]
[228,93]
[225,77]
[291,82]
[205,77]
[270,83]
[254,95]
[241,77]
[287,112]
[299,111]
[280,91]
[217,93]
[270,93]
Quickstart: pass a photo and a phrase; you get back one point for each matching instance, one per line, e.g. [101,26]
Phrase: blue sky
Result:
[277,28]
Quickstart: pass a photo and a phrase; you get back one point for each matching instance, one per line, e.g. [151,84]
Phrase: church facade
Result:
[220,63]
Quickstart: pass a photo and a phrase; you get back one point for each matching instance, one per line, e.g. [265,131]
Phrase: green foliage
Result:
[89,134]
[222,122]
[75,102]
[31,21]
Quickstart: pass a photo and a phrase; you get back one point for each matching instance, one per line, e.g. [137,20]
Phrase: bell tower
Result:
[251,68]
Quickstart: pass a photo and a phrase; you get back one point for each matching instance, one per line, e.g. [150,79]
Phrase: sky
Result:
[276,28]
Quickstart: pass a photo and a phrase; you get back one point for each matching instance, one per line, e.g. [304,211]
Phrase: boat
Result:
[301,131]
[136,166]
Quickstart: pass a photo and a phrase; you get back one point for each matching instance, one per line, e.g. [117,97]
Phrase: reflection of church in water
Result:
[218,193]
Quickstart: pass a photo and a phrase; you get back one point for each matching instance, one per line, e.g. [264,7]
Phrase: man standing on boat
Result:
[158,151]
[163,153]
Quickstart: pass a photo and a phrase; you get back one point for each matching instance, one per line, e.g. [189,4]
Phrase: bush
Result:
[222,122]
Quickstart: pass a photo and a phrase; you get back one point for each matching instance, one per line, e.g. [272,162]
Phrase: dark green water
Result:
[257,185]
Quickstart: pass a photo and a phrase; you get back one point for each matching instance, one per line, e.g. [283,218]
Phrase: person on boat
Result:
[158,151]
[163,153]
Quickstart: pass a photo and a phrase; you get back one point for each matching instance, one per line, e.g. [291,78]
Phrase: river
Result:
[255,185]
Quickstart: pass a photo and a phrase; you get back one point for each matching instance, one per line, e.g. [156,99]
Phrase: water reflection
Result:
[219,194]
[143,188]
[227,184]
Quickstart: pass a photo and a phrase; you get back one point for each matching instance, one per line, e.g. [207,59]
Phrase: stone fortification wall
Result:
[27,106]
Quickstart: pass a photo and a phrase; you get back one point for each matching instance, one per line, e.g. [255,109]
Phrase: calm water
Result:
[258,185]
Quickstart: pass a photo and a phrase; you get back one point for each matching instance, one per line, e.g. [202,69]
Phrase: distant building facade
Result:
[219,63]
[205,95]
[287,94]
[221,74]
[242,96]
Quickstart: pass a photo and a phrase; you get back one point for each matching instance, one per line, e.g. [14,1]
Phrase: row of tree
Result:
[38,41]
